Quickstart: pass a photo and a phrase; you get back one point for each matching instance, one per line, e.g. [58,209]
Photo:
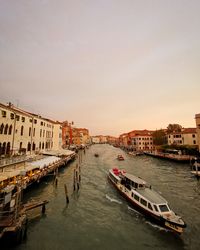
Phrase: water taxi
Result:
[146,200]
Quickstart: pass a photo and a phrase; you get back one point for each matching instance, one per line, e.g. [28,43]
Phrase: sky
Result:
[111,66]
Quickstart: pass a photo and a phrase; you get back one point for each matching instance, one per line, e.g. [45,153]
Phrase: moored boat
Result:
[196,168]
[146,200]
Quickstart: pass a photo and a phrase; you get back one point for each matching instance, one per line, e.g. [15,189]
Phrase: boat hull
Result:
[150,216]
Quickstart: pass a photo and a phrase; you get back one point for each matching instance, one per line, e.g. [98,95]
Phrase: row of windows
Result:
[143,138]
[143,143]
[5,148]
[17,117]
[7,130]
[144,202]
[181,142]
[179,136]
[141,148]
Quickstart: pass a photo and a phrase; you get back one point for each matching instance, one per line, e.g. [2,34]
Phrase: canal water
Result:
[97,217]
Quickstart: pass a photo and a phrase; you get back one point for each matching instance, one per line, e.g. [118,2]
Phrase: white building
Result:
[95,139]
[24,132]
[142,142]
[187,136]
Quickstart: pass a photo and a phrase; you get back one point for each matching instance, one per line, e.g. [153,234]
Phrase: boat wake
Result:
[148,222]
[156,226]
[113,200]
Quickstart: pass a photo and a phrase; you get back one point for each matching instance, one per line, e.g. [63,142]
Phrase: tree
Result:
[159,137]
[174,128]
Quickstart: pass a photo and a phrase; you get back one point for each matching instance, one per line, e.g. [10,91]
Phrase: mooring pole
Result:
[74,182]
[43,208]
[66,194]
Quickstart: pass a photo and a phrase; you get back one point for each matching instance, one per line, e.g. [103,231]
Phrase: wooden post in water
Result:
[56,178]
[74,182]
[43,208]
[66,194]
[56,181]
[79,173]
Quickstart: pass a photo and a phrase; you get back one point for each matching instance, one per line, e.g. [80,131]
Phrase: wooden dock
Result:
[13,222]
[171,157]
[14,226]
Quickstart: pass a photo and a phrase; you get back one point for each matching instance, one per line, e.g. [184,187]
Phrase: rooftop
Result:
[134,178]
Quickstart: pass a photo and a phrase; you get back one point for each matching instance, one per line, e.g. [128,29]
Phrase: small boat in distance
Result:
[146,200]
[139,153]
[120,157]
[96,155]
[131,153]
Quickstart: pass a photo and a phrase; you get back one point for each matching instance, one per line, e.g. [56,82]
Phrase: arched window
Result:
[29,147]
[20,145]
[43,145]
[10,130]
[22,130]
[8,148]
[1,128]
[40,145]
[0,148]
[33,146]
[6,129]
[29,131]
[4,148]
[46,145]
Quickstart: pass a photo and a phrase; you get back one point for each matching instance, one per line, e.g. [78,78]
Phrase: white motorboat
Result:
[145,199]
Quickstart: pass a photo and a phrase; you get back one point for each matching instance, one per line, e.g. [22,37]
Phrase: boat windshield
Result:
[163,208]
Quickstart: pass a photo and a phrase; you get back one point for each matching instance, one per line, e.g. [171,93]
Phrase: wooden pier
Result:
[14,218]
[14,226]
[171,157]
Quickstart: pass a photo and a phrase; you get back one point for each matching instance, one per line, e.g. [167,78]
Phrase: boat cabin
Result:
[131,181]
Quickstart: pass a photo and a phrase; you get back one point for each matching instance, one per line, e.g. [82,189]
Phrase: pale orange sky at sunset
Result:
[111,66]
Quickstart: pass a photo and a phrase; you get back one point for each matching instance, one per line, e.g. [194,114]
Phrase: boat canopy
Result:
[152,196]
[134,179]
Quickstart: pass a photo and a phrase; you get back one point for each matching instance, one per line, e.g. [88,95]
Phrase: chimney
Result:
[10,105]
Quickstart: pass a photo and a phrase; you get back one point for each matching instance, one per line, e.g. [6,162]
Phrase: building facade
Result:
[187,136]
[137,140]
[141,140]
[84,136]
[74,136]
[95,139]
[22,132]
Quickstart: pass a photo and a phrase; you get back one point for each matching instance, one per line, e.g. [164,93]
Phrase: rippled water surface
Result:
[97,217]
